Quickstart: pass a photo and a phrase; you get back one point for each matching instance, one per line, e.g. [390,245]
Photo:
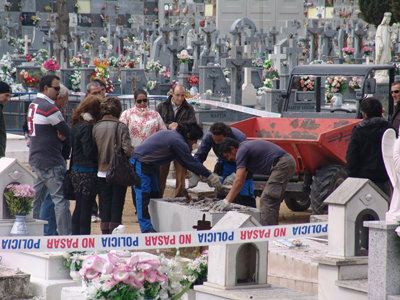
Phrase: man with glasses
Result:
[48,130]
[174,111]
[395,90]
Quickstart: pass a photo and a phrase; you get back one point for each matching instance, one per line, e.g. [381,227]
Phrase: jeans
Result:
[148,187]
[47,213]
[274,190]
[52,179]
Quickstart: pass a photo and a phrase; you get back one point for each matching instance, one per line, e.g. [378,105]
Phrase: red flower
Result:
[202,23]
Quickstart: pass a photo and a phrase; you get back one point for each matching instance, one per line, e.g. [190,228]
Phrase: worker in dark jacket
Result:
[160,148]
[174,111]
[364,154]
[212,140]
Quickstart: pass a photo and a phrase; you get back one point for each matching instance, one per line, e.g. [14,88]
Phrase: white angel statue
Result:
[391,158]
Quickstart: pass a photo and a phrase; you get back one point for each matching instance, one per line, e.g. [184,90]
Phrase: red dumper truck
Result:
[316,131]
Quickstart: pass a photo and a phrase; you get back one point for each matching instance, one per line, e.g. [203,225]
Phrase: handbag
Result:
[121,171]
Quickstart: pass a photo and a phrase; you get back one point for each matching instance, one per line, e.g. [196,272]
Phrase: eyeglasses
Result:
[57,88]
[395,92]
[140,101]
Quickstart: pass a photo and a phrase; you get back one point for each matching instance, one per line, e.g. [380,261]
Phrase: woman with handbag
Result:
[142,123]
[83,164]
[109,134]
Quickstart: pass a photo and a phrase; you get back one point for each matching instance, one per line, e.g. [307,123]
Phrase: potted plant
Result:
[19,198]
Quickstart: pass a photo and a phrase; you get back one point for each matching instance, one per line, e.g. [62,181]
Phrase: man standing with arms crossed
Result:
[48,130]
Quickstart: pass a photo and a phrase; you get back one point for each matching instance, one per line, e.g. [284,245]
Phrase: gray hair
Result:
[90,84]
[63,91]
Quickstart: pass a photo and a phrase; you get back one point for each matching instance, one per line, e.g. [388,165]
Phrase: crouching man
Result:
[261,157]
[158,149]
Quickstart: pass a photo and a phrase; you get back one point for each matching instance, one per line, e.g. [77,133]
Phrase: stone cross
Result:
[327,41]
[120,34]
[291,28]
[174,48]
[208,30]
[26,44]
[220,46]
[77,36]
[277,57]
[196,51]
[49,39]
[359,32]
[165,30]
[252,39]
[274,32]
[292,52]
[236,64]
[314,31]
[341,37]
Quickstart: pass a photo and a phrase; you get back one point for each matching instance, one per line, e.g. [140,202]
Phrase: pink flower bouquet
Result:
[51,65]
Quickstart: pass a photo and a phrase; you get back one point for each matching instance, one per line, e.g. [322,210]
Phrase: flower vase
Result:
[74,275]
[184,68]
[347,58]
[194,90]
[337,100]
[19,227]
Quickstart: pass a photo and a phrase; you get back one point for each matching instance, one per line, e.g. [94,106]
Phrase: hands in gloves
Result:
[229,179]
[194,181]
[221,205]
[214,181]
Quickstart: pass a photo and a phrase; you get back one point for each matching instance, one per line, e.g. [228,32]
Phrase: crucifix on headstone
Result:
[277,57]
[314,31]
[208,30]
[220,45]
[327,41]
[196,44]
[291,28]
[252,39]
[236,64]
[174,48]
[120,35]
[165,30]
[360,31]
[48,38]
[274,32]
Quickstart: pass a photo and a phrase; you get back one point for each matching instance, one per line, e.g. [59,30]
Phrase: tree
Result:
[395,9]
[372,11]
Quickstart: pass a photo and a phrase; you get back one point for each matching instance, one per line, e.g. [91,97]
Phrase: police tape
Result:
[160,240]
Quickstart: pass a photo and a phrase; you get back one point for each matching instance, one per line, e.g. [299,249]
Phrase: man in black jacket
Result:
[174,111]
[364,154]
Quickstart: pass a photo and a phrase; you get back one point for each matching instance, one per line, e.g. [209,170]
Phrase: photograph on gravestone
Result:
[27,18]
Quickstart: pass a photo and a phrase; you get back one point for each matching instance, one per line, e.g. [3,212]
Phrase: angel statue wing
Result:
[388,141]
[391,158]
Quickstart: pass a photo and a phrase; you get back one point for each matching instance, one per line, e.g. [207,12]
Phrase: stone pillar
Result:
[383,260]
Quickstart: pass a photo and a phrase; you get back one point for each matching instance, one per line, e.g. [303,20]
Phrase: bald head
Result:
[178,94]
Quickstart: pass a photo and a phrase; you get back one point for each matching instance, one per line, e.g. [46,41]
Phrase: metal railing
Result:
[16,109]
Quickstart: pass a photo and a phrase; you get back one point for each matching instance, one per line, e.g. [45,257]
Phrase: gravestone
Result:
[360,32]
[132,79]
[249,93]
[314,32]
[212,78]
[236,64]
[327,42]
[174,48]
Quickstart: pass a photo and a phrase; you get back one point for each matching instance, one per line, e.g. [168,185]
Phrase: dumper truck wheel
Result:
[325,181]
[301,203]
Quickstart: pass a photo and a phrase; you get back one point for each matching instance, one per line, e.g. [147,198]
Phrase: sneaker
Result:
[94,219]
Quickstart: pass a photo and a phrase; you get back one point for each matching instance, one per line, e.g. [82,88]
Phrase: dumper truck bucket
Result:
[312,142]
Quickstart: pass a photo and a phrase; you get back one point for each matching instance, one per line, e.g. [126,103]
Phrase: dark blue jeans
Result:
[111,201]
[47,213]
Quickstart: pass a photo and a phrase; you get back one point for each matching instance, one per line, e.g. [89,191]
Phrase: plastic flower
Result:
[51,65]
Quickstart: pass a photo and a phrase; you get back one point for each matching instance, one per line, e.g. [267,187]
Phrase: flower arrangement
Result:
[101,72]
[41,56]
[151,84]
[336,84]
[262,90]
[152,65]
[355,83]
[51,65]
[193,80]
[19,198]
[268,83]
[47,8]
[78,61]
[307,83]
[269,71]
[28,57]
[115,277]
[75,80]
[366,50]
[35,20]
[29,81]
[348,50]
[184,57]
[74,260]
[257,62]
[11,40]
[209,92]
